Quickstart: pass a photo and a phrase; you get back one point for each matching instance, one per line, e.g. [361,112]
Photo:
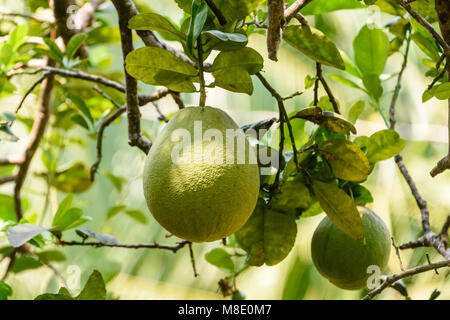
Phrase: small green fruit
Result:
[204,198]
[343,260]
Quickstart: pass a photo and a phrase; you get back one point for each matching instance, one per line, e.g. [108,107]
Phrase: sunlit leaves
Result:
[237,9]
[199,13]
[347,161]
[327,119]
[356,110]
[74,44]
[340,208]
[232,70]
[66,217]
[155,22]
[157,66]
[441,92]
[383,145]
[221,259]
[325,6]
[371,48]
[267,237]
[314,44]
[25,262]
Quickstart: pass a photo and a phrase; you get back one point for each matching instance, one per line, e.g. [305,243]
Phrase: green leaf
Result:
[371,48]
[324,6]
[74,44]
[383,145]
[114,210]
[155,22]
[344,81]
[70,216]
[237,10]
[293,195]
[340,208]
[361,195]
[101,237]
[221,259]
[235,79]
[94,288]
[137,215]
[373,85]
[74,179]
[433,296]
[115,180]
[5,291]
[267,237]
[313,43]
[327,119]
[246,58]
[199,13]
[356,110]
[346,159]
[81,105]
[80,120]
[441,92]
[51,256]
[64,205]
[225,41]
[21,233]
[157,66]
[18,36]
[54,48]
[25,262]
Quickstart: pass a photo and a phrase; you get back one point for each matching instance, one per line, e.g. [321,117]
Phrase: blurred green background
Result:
[154,274]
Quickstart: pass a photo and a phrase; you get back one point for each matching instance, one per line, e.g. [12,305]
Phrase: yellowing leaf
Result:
[346,159]
[340,208]
[314,44]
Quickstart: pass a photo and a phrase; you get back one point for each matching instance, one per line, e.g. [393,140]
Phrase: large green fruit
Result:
[343,260]
[202,196]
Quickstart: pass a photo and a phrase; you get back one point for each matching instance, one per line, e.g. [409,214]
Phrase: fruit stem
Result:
[202,102]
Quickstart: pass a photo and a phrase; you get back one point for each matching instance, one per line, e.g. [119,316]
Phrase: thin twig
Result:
[58,275]
[176,97]
[202,101]
[292,10]
[7,179]
[28,92]
[283,119]
[217,12]
[429,238]
[191,253]
[327,88]
[174,248]
[116,114]
[28,16]
[107,97]
[397,252]
[404,274]
[426,25]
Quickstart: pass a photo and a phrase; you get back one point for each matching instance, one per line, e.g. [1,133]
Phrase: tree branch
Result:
[426,25]
[217,12]
[154,245]
[407,273]
[429,238]
[7,179]
[327,88]
[135,137]
[292,10]
[283,119]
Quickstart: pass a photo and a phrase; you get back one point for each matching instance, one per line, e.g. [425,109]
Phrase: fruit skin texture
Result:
[200,201]
[343,260]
